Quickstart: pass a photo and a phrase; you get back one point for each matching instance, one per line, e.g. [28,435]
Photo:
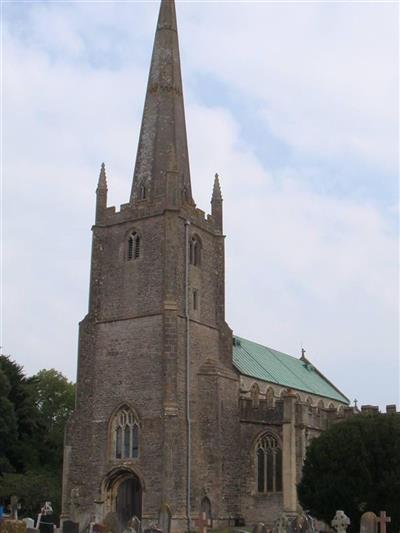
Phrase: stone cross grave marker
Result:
[202,522]
[368,523]
[14,506]
[382,521]
[340,522]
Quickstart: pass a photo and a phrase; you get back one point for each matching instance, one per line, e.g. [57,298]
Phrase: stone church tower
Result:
[155,429]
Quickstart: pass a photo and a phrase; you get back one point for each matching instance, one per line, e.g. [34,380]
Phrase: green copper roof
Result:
[264,363]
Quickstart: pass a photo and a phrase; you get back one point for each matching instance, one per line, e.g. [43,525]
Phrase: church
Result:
[176,415]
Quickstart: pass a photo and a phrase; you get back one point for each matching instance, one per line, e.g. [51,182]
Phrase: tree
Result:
[19,405]
[354,466]
[55,400]
[8,424]
[33,414]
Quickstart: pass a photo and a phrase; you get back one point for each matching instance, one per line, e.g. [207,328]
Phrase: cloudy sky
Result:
[295,105]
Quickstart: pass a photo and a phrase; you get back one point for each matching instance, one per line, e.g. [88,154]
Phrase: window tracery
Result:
[269,464]
[125,432]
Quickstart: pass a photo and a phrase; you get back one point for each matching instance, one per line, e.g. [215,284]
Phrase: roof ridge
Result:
[291,371]
[250,356]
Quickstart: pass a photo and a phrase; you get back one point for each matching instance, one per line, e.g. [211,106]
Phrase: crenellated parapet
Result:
[261,412]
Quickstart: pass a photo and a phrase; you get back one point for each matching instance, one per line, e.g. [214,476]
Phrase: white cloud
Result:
[325,76]
[301,266]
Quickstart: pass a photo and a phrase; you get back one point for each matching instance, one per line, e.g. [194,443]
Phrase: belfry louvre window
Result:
[126,434]
[269,464]
[133,246]
[194,251]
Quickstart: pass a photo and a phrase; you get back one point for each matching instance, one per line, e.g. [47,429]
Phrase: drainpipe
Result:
[188,420]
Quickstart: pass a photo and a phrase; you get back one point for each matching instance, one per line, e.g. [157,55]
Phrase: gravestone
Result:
[164,519]
[259,528]
[12,526]
[382,521]
[202,522]
[340,522]
[134,525]
[70,527]
[98,528]
[282,524]
[368,523]
[302,523]
[14,507]
[47,523]
[112,523]
[153,529]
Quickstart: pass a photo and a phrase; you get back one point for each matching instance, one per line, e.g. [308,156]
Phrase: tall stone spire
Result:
[162,162]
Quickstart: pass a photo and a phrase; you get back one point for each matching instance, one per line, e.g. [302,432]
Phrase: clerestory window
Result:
[125,430]
[255,395]
[269,464]
[133,246]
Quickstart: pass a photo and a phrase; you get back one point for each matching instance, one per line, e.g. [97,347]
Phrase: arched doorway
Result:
[122,490]
[129,500]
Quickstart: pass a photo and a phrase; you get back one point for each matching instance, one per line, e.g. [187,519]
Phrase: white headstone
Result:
[30,523]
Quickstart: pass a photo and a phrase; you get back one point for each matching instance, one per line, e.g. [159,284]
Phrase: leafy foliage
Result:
[33,488]
[354,466]
[33,414]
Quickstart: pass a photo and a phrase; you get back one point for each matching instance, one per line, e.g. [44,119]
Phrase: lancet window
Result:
[125,434]
[133,246]
[194,251]
[269,464]
[142,192]
[270,397]
[255,395]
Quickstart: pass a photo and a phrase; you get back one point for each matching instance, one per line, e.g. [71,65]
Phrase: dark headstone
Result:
[99,528]
[70,527]
[47,523]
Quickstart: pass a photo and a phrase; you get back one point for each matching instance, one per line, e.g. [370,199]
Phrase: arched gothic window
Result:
[133,246]
[194,251]
[269,464]
[125,432]
[270,397]
[255,395]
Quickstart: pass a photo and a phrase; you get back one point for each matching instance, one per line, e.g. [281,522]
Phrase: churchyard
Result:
[298,523]
[46,522]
